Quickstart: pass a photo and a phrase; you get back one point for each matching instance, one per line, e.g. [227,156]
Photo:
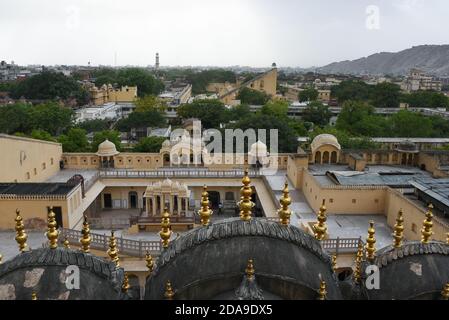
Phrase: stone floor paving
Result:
[9,247]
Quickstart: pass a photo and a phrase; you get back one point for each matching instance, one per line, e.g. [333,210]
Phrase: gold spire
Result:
[52,232]
[426,230]
[334,262]
[125,285]
[398,234]
[320,228]
[33,296]
[165,232]
[250,269]
[358,263]
[445,292]
[85,240]
[150,262]
[113,251]
[322,292]
[66,243]
[447,238]
[21,236]
[169,293]
[371,243]
[205,212]
[284,212]
[245,204]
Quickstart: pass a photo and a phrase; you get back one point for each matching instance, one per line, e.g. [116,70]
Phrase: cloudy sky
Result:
[256,33]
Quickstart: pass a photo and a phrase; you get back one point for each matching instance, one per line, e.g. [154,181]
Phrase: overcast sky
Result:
[210,32]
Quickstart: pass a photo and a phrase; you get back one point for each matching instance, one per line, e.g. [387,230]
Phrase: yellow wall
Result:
[28,160]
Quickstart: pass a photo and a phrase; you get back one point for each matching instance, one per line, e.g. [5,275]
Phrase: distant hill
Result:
[433,59]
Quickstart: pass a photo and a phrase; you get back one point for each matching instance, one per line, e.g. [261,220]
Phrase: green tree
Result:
[317,113]
[94,125]
[277,109]
[15,118]
[238,112]
[150,103]
[150,144]
[50,117]
[49,86]
[41,135]
[351,114]
[386,95]
[146,83]
[309,94]
[210,112]
[200,80]
[409,124]
[252,97]
[74,141]
[111,135]
[351,90]
[146,119]
[426,99]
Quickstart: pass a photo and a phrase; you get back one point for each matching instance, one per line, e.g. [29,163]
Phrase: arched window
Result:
[334,157]
[326,157]
[318,157]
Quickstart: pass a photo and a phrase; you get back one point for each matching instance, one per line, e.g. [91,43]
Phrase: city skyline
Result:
[201,33]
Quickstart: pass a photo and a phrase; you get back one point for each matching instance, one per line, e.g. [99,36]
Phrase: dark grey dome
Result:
[415,271]
[44,272]
[210,261]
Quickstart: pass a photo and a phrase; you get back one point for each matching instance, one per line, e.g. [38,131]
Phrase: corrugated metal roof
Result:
[36,188]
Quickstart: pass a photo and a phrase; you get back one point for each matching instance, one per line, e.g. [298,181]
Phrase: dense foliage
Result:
[252,97]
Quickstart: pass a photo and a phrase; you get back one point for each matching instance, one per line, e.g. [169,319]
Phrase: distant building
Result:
[107,111]
[418,80]
[292,93]
[107,93]
[228,92]
[174,97]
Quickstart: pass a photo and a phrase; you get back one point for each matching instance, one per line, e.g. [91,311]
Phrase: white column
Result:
[161,203]
[153,204]
[171,204]
[179,205]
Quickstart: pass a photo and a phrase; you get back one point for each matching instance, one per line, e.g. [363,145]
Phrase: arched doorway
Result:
[318,157]
[325,157]
[166,160]
[334,157]
[214,198]
[133,200]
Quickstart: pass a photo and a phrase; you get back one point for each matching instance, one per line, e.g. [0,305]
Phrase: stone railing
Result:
[138,248]
[341,245]
[177,173]
[129,247]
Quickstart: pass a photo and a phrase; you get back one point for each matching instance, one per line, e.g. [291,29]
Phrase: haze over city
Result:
[211,33]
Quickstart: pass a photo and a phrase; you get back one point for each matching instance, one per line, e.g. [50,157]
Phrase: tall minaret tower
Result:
[157,62]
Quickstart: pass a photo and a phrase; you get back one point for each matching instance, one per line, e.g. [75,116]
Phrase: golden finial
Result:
[398,234]
[447,238]
[426,231]
[250,269]
[125,285]
[85,239]
[33,296]
[445,292]
[150,262]
[358,263]
[21,236]
[245,204]
[113,251]
[322,292]
[284,212]
[320,228]
[165,232]
[371,243]
[66,243]
[334,262]
[205,212]
[52,232]
[169,293]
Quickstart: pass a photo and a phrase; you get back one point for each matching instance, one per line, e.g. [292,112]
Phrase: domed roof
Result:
[167,183]
[258,149]
[324,139]
[166,143]
[107,149]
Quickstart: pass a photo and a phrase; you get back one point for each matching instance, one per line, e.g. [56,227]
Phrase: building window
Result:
[414,228]
[44,166]
[51,161]
[354,201]
[35,171]
[28,176]
[331,200]
[376,201]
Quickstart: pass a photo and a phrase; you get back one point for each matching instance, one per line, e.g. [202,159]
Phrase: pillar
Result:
[179,205]
[154,204]
[170,204]
[161,202]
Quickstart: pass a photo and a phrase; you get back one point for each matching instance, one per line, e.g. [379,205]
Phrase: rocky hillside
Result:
[434,59]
